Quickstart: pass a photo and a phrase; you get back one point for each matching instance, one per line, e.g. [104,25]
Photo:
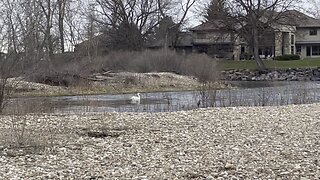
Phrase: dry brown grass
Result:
[68,72]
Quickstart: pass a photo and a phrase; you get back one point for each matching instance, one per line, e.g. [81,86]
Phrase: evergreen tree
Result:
[216,10]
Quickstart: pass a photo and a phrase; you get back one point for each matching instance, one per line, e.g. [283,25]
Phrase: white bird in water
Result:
[135,99]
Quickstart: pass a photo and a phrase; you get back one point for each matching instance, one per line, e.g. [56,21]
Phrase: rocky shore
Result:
[293,74]
[215,143]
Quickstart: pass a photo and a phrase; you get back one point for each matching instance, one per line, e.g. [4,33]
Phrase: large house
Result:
[299,36]
[181,43]
[211,38]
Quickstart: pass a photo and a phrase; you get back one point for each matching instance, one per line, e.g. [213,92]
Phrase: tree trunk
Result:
[61,4]
[255,47]
[61,34]
[2,94]
[49,43]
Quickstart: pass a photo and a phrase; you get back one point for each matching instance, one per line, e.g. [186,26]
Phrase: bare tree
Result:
[74,29]
[184,7]
[250,18]
[12,39]
[132,21]
[9,69]
[314,8]
[128,19]
[62,5]
[30,30]
[48,9]
[258,15]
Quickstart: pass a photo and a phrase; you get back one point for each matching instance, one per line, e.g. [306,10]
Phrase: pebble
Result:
[226,143]
[228,166]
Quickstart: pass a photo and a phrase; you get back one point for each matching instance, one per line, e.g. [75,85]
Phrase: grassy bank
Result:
[115,83]
[271,64]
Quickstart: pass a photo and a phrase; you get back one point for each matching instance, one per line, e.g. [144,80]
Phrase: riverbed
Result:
[274,142]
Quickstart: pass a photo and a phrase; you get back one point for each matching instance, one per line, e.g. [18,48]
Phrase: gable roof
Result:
[290,17]
[299,19]
[98,39]
[184,39]
[209,26]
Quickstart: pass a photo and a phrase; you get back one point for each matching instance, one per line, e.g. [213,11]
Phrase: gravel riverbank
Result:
[213,143]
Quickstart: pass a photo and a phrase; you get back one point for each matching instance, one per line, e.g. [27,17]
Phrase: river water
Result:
[248,94]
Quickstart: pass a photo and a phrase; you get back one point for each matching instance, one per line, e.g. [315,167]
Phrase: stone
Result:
[229,166]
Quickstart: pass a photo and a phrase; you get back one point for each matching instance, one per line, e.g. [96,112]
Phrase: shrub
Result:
[67,72]
[201,66]
[287,57]
[245,56]
[10,67]
[163,60]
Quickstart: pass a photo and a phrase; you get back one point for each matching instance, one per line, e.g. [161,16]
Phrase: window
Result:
[315,50]
[313,32]
[298,49]
[292,49]
[225,48]
[292,39]
[243,49]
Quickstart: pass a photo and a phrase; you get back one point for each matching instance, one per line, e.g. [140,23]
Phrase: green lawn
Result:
[271,64]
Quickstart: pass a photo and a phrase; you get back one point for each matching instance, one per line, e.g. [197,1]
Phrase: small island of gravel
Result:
[215,143]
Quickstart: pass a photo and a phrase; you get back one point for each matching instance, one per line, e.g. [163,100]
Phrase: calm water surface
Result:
[248,94]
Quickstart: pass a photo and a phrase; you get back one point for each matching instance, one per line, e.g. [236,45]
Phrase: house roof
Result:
[209,26]
[101,38]
[299,19]
[184,40]
[290,17]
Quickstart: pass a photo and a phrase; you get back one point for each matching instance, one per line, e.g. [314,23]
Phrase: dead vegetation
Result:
[69,70]
[112,82]
[122,71]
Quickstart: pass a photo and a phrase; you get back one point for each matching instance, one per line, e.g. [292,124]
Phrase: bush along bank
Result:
[292,74]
